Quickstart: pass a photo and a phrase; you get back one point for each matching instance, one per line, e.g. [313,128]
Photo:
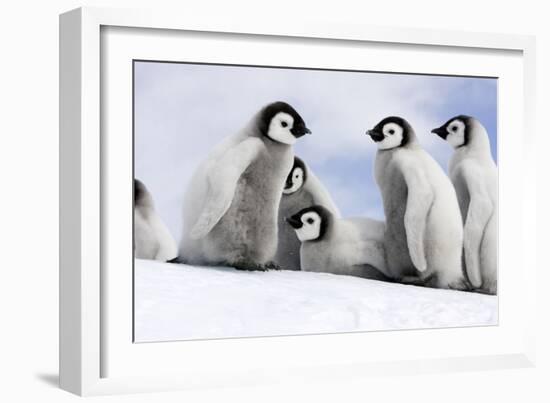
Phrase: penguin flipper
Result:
[480,211]
[223,176]
[419,201]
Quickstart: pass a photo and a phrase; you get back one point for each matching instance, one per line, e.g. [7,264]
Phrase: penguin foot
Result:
[460,285]
[178,260]
[417,280]
[490,289]
[249,266]
[272,266]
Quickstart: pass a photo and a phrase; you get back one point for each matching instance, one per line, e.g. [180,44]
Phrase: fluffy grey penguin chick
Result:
[353,246]
[475,178]
[232,202]
[152,240]
[423,235]
[302,189]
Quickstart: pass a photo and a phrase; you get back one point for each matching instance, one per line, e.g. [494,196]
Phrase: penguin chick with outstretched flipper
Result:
[474,176]
[423,235]
[353,246]
[302,189]
[152,240]
[231,204]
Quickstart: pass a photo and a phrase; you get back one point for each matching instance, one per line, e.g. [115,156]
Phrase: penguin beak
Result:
[300,131]
[294,222]
[375,135]
[441,132]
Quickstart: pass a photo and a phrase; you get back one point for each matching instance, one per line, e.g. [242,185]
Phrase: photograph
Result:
[281,201]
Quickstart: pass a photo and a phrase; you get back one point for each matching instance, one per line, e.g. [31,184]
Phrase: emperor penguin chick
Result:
[231,204]
[423,235]
[353,246]
[302,189]
[152,240]
[474,176]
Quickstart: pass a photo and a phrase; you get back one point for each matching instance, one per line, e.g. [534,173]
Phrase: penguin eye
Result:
[310,220]
[284,124]
[453,128]
[391,131]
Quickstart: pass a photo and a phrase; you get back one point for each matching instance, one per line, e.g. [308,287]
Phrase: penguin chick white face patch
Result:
[456,133]
[393,136]
[311,227]
[279,128]
[297,180]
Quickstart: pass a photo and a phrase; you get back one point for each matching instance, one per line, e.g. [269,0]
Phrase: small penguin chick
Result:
[302,189]
[152,240]
[423,227]
[474,176]
[353,246]
[231,204]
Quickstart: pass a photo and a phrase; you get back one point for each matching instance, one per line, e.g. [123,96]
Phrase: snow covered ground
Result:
[177,302]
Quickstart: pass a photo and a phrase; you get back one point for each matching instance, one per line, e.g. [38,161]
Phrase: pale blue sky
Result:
[183,110]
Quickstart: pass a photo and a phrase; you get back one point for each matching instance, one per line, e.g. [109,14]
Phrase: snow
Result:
[178,302]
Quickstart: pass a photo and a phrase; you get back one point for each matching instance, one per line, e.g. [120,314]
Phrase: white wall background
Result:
[29,209]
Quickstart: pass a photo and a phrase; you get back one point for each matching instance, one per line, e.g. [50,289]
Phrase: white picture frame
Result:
[86,347]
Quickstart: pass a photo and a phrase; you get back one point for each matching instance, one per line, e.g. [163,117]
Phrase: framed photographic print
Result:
[248,203]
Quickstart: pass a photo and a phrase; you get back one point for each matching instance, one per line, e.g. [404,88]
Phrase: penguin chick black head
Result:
[311,223]
[280,122]
[392,132]
[456,131]
[296,177]
[142,197]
